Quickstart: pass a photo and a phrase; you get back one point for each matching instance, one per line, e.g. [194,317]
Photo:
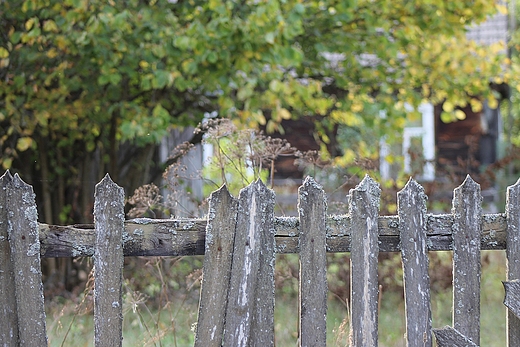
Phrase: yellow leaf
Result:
[460,115]
[492,102]
[50,25]
[501,8]
[284,113]
[476,105]
[52,53]
[23,143]
[144,64]
[357,107]
[4,53]
[448,106]
[29,24]
[6,163]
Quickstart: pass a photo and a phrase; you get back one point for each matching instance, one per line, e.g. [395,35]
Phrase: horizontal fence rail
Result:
[173,237]
[240,238]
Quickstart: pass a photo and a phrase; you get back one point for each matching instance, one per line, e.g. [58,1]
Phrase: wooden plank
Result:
[364,290]
[9,326]
[312,208]
[25,255]
[450,337]
[513,256]
[512,296]
[250,310]
[411,202]
[220,236]
[467,229]
[109,219]
[176,237]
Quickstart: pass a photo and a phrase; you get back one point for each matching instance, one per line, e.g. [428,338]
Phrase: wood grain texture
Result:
[25,256]
[364,290]
[513,256]
[450,337]
[108,264]
[312,208]
[9,326]
[467,229]
[175,237]
[220,237]
[411,202]
[250,308]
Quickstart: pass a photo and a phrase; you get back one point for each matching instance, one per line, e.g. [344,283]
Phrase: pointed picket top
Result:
[311,187]
[5,178]
[106,182]
[367,187]
[217,198]
[368,184]
[310,182]
[410,193]
[512,199]
[450,337]
[19,183]
[469,185]
[257,188]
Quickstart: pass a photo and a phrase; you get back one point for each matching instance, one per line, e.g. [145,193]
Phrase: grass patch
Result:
[149,321]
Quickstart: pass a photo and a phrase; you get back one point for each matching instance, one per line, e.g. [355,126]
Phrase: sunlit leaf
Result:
[24,143]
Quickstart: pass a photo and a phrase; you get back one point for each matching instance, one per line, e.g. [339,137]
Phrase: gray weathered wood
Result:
[25,255]
[512,296]
[250,310]
[450,337]
[513,256]
[364,210]
[467,228]
[220,236]
[411,202]
[109,219]
[175,237]
[312,208]
[9,326]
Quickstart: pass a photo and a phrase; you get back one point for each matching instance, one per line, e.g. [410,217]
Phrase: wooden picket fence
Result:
[240,238]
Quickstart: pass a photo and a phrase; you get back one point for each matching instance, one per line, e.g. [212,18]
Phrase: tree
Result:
[96,84]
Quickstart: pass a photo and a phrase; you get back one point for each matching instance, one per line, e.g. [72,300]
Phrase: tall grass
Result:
[169,321]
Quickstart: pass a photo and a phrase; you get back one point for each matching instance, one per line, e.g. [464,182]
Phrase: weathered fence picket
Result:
[218,258]
[9,327]
[364,288]
[312,208]
[109,217]
[240,238]
[411,209]
[513,256]
[467,233]
[250,307]
[24,240]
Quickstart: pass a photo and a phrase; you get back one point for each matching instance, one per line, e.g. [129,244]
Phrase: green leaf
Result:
[115,79]
[161,80]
